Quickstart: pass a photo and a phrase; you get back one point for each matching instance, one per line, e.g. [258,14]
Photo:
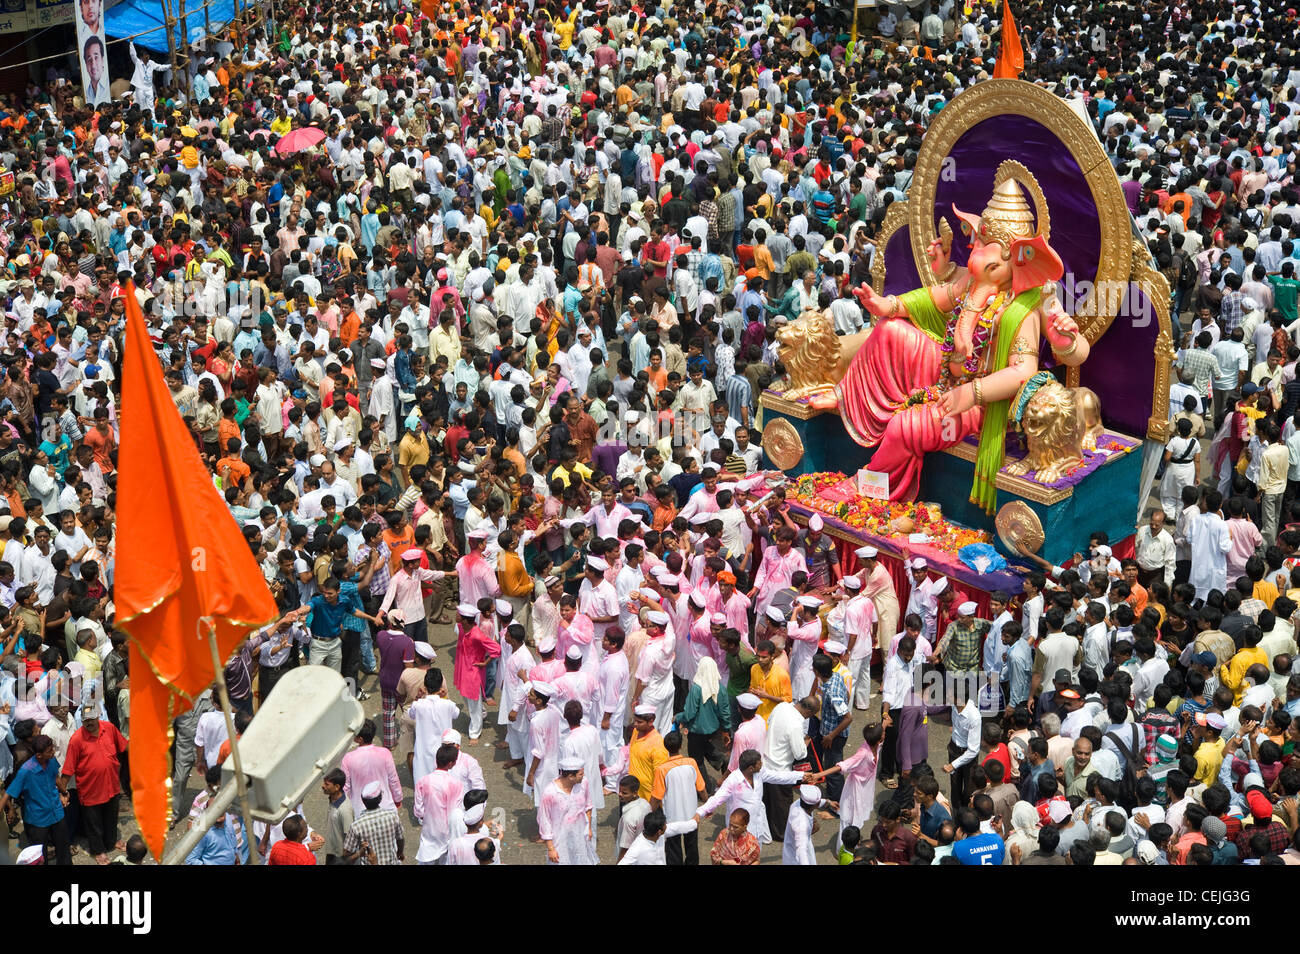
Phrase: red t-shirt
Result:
[94,763]
[288,852]
[1000,754]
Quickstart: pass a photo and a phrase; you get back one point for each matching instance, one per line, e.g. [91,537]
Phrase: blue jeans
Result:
[367,651]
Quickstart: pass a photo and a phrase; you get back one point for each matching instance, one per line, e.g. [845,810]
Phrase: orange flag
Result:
[1011,56]
[180,556]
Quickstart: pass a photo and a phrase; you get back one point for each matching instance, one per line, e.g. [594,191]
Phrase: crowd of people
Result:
[489,353]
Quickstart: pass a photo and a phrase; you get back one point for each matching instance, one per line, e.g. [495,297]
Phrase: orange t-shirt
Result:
[239,471]
[226,429]
[397,543]
[102,445]
[348,329]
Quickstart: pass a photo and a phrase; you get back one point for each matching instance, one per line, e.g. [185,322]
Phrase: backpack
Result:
[1188,273]
[1128,777]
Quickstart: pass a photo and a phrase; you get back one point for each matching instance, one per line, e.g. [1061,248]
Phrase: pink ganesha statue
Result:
[944,362]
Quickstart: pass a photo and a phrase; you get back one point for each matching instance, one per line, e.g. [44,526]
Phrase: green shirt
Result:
[738,666]
[1284,295]
[703,717]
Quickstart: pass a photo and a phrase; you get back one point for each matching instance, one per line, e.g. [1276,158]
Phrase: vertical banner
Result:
[91,51]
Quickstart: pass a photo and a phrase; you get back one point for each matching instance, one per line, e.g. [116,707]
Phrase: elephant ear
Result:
[1034,264]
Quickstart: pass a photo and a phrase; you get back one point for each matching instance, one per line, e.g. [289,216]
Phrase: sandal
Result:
[890,783]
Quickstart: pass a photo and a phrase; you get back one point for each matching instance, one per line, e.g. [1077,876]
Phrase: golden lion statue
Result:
[812,355]
[1059,424]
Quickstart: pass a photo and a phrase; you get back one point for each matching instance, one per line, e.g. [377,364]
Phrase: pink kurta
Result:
[473,646]
[858,798]
[776,572]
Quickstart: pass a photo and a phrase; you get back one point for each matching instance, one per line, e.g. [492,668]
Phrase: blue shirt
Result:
[983,849]
[1019,669]
[932,819]
[216,847]
[326,620]
[36,786]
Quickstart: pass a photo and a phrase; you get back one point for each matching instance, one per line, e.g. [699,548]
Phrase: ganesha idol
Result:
[944,362]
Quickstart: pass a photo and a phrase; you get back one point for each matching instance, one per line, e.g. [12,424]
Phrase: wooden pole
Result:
[219,667]
[169,22]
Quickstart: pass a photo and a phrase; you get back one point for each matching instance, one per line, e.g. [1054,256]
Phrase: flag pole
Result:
[219,668]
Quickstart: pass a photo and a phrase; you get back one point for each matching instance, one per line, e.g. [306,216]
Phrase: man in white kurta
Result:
[516,660]
[382,405]
[438,808]
[1208,536]
[432,716]
[797,849]
[544,728]
[859,627]
[614,680]
[581,740]
[803,634]
[654,671]
[564,817]
[578,685]
[752,731]
[597,598]
[743,788]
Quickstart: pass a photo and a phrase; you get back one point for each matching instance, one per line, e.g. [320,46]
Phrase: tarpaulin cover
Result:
[136,16]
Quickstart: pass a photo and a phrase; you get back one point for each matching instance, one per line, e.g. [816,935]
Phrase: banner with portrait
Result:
[91,51]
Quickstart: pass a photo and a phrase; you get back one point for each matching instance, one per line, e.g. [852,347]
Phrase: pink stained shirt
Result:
[775,573]
[1246,538]
[477,579]
[405,593]
[736,610]
[859,619]
[750,735]
[437,803]
[366,764]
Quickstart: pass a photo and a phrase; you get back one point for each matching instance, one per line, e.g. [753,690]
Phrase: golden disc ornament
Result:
[782,444]
[1019,526]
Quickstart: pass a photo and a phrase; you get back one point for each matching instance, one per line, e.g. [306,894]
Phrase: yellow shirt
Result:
[644,755]
[1265,591]
[562,475]
[564,29]
[775,683]
[1233,673]
[281,125]
[90,659]
[1209,758]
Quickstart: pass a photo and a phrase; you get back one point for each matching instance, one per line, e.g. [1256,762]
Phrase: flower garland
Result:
[984,324]
[878,518]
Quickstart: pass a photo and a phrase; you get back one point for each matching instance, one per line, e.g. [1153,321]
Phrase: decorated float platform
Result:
[1096,495]
[1110,287]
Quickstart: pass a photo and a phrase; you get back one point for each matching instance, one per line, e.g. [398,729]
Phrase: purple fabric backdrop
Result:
[1122,366]
[900,268]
